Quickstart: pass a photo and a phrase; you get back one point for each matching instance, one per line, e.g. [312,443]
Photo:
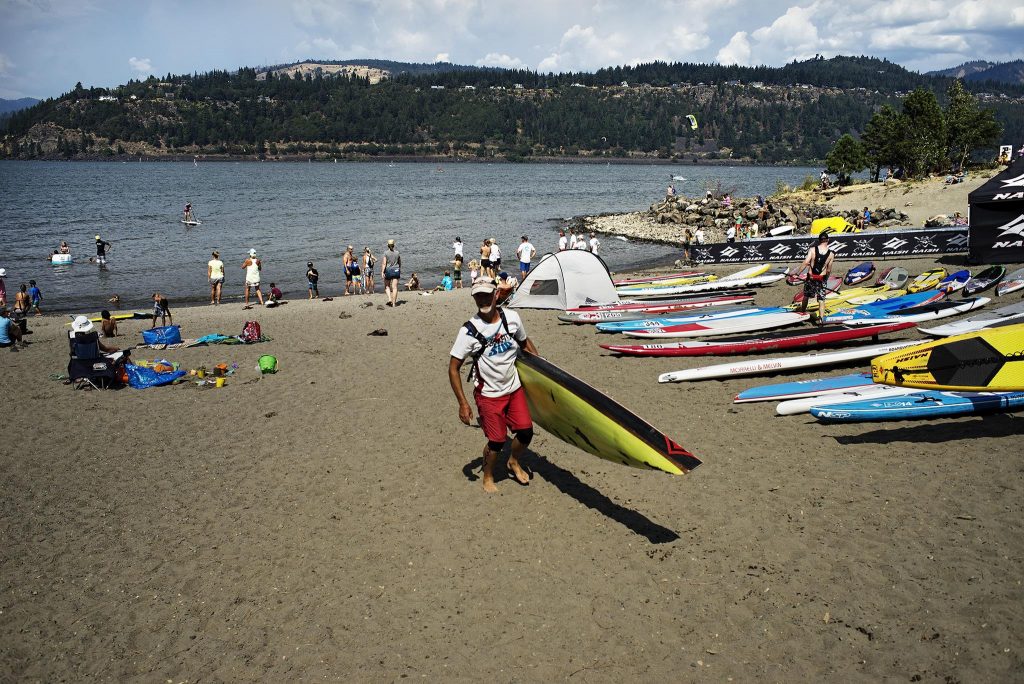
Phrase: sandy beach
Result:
[327,522]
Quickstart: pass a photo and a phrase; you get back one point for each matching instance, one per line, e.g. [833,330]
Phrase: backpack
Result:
[471,329]
[251,332]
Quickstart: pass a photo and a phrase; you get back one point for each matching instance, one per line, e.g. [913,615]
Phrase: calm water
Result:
[294,212]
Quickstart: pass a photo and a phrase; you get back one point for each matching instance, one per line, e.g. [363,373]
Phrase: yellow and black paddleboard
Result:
[986,360]
[134,315]
[927,280]
[576,413]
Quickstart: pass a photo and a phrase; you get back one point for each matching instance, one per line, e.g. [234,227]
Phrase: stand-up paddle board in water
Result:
[580,415]
[762,366]
[61,259]
[987,360]
[192,223]
[927,404]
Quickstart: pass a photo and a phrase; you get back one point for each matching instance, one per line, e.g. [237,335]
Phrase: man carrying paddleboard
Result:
[819,260]
[493,338]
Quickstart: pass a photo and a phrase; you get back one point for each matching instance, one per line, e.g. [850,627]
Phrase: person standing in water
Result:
[101,250]
[252,267]
[215,274]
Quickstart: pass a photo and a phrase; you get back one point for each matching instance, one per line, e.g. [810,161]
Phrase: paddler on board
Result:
[819,261]
[493,338]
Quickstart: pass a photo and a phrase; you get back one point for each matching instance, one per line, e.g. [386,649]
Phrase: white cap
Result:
[82,324]
[252,252]
[483,285]
[3,272]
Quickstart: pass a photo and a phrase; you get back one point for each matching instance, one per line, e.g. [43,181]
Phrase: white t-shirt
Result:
[525,252]
[495,252]
[581,243]
[496,371]
[594,244]
[563,243]
[457,246]
[698,236]
[730,233]
[216,268]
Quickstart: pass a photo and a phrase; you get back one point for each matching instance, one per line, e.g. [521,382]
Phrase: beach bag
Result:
[251,332]
[140,377]
[169,334]
[268,364]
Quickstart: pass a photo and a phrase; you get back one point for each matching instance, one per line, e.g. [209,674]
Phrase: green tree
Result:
[846,157]
[881,140]
[968,127]
[924,136]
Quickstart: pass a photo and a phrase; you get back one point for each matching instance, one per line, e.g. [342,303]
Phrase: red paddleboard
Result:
[788,339]
[833,283]
[798,276]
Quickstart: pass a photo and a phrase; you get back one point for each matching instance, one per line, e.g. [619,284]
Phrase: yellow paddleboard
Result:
[577,413]
[927,280]
[671,282]
[986,360]
[853,299]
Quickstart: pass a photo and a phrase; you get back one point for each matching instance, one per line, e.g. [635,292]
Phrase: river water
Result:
[292,213]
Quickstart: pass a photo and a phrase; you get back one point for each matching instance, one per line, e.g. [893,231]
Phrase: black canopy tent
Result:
[996,217]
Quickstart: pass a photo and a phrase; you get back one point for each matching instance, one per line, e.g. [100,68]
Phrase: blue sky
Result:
[48,45]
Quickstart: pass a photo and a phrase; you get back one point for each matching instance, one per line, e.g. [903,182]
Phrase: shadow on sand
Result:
[567,483]
[930,432]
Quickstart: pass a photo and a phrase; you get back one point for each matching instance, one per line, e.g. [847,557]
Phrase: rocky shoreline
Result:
[666,222]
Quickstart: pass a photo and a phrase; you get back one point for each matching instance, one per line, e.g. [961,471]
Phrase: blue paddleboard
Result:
[954,281]
[804,388]
[882,308]
[927,404]
[859,273]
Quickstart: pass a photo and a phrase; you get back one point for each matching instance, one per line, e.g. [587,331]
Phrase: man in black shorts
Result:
[819,262]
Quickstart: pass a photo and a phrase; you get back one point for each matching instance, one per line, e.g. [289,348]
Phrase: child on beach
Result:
[161,308]
[35,296]
[474,270]
[414,283]
[312,278]
[446,283]
[275,293]
[108,326]
[457,272]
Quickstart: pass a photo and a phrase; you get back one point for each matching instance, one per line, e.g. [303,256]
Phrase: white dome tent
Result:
[566,280]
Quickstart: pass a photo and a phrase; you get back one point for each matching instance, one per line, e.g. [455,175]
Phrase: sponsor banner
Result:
[881,245]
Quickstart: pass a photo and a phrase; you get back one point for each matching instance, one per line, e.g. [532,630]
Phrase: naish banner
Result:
[880,245]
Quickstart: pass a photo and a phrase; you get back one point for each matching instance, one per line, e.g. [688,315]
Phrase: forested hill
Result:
[791,114]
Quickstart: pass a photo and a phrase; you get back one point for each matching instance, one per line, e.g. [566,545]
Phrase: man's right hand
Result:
[466,414]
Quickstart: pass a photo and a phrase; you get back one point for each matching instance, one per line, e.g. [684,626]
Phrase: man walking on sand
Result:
[819,262]
[493,338]
[252,267]
[391,272]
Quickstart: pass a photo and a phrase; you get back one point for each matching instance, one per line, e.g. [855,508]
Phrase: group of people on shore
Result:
[358,272]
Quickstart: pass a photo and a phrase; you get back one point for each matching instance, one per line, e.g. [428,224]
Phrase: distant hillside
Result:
[787,115]
[980,71]
[7,106]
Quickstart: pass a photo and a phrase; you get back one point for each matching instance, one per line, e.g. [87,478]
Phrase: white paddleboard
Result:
[781,230]
[1004,315]
[764,366]
[192,223]
[722,326]
[795,406]
[1011,283]
[721,284]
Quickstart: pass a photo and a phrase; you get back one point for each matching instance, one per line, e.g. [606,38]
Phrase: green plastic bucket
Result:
[268,364]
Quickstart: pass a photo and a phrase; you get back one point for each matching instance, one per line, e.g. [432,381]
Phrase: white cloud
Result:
[737,51]
[442,57]
[143,65]
[494,59]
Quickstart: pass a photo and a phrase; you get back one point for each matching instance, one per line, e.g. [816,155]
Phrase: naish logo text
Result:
[1008,195]
[1014,227]
[894,244]
[957,241]
[1017,182]
[779,249]
[730,252]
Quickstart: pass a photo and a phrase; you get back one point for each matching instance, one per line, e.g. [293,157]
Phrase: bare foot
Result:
[518,473]
[489,485]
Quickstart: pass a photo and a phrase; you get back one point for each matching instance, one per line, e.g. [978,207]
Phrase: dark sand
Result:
[327,523]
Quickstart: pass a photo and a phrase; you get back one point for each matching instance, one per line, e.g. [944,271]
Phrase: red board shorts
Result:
[498,415]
